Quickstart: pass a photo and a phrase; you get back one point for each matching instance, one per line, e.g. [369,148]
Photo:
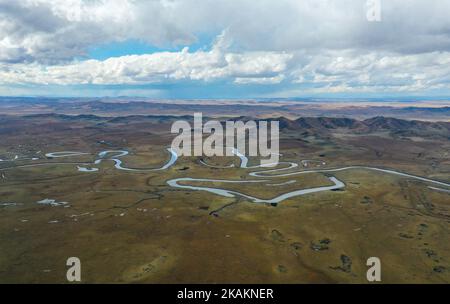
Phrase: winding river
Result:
[263,174]
[229,193]
[108,155]
[267,175]
[118,162]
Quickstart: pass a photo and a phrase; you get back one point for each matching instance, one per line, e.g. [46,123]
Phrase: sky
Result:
[225,48]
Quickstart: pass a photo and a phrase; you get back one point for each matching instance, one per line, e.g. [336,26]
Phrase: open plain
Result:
[63,193]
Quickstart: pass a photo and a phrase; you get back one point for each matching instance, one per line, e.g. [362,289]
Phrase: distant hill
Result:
[110,107]
[305,125]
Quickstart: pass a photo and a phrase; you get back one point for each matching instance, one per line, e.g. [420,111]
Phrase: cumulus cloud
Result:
[52,30]
[347,71]
[215,64]
[313,44]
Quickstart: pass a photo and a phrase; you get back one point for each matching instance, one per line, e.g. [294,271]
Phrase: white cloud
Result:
[347,71]
[317,45]
[260,80]
[56,30]
[155,68]
[52,31]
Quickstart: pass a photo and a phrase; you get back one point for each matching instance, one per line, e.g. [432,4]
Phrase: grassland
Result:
[132,227]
